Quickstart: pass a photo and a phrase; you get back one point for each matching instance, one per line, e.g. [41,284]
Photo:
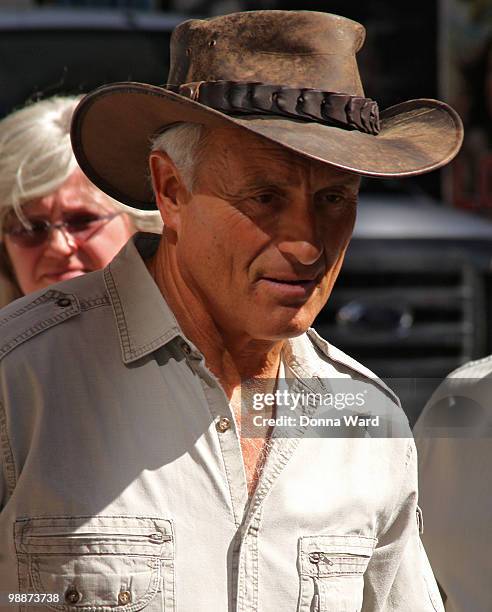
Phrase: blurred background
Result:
[414,299]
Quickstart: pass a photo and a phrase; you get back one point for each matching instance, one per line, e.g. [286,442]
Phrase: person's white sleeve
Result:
[399,577]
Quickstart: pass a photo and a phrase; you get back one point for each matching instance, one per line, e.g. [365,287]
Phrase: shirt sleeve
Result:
[455,453]
[399,576]
[7,466]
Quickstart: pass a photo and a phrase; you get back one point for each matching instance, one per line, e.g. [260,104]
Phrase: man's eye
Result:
[329,198]
[264,198]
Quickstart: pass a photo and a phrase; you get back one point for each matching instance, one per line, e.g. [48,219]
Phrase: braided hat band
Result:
[328,108]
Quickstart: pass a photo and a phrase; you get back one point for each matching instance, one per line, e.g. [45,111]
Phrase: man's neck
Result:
[232,359]
[243,367]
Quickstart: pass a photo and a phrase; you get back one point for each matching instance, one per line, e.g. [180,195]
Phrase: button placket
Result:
[280,453]
[248,573]
[230,446]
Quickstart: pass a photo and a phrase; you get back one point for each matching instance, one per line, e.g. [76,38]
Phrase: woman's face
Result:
[65,255]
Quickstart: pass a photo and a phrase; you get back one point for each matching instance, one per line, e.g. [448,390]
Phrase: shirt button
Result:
[72,596]
[124,597]
[223,424]
[156,537]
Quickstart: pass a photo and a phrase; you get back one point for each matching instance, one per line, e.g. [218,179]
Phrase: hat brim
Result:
[112,128]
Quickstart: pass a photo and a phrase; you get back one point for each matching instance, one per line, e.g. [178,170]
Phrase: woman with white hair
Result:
[54,223]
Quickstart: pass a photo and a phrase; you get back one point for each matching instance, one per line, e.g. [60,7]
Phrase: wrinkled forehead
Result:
[245,155]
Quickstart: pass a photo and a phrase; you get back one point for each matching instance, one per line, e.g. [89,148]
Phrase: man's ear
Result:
[169,190]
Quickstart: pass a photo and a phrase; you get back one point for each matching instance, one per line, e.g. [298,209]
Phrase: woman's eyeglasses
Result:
[81,226]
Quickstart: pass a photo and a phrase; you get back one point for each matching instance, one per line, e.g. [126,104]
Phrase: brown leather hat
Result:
[288,76]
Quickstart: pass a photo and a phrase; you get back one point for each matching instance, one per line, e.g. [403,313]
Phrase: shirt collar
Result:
[144,320]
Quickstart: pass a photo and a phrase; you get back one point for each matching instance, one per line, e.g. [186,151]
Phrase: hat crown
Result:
[292,48]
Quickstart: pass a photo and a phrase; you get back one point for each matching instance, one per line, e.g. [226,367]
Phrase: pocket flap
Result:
[335,554]
[94,536]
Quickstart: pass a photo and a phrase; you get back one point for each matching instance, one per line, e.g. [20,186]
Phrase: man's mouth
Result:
[297,281]
[290,287]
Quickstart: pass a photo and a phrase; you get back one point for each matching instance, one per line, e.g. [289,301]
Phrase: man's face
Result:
[262,237]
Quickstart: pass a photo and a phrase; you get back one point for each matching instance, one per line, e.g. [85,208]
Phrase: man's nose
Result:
[60,242]
[300,238]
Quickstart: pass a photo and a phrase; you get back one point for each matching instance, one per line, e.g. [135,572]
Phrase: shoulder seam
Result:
[37,328]
[316,339]
[471,364]
[30,305]
[89,303]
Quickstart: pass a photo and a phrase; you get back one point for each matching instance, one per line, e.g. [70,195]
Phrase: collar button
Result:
[186,348]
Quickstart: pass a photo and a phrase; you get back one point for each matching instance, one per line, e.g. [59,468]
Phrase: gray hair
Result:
[182,143]
[36,158]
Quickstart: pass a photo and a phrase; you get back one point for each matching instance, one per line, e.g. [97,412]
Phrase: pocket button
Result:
[156,537]
[72,596]
[317,557]
[124,597]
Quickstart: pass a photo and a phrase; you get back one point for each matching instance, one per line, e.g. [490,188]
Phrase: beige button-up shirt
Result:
[454,439]
[122,488]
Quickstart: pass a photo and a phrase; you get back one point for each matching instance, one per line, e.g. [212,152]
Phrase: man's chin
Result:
[283,330]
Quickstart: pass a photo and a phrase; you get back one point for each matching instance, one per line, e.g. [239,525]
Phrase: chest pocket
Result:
[103,563]
[331,570]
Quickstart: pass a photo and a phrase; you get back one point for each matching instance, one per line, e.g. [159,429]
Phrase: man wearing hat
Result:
[129,480]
